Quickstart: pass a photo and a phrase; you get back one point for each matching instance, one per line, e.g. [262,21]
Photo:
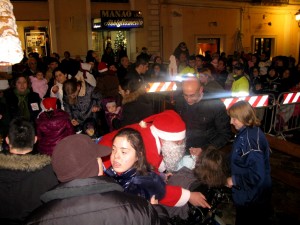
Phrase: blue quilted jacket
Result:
[250,167]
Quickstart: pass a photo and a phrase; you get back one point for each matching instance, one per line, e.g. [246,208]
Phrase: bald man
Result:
[207,122]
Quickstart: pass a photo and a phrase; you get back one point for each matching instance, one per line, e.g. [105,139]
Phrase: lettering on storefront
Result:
[118,19]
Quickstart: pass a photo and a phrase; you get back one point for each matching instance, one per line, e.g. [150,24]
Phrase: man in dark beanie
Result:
[85,196]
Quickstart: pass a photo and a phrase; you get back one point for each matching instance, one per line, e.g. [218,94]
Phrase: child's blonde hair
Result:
[244,112]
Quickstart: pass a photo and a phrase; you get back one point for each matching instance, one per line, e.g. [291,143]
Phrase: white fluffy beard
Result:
[172,153]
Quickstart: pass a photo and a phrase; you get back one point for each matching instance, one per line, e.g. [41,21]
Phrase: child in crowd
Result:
[113,113]
[211,167]
[52,125]
[39,83]
[131,169]
[90,128]
[250,167]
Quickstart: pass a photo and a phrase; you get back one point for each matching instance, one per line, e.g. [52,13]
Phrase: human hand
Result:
[100,164]
[229,182]
[195,151]
[55,89]
[95,109]
[74,122]
[153,200]
[198,199]
[167,176]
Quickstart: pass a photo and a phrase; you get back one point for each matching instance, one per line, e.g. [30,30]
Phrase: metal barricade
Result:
[264,107]
[161,94]
[287,113]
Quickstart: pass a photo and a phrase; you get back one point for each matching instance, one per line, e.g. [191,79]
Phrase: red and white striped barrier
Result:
[255,101]
[291,98]
[161,87]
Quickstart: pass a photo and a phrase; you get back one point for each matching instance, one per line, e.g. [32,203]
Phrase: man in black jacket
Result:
[207,122]
[24,177]
[85,196]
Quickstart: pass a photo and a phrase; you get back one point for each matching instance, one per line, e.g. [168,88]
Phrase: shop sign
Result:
[120,19]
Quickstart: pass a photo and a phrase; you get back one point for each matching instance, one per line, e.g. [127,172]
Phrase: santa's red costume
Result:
[168,126]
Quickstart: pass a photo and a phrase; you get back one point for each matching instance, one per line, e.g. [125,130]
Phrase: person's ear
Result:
[35,139]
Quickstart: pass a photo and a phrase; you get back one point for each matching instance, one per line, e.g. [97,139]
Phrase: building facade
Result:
[224,26]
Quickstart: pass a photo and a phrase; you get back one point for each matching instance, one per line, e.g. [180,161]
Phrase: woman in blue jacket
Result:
[250,167]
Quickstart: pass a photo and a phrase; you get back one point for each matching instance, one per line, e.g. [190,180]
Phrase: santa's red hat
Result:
[49,104]
[167,125]
[102,67]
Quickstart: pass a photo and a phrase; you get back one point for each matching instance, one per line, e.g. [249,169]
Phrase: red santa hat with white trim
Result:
[49,104]
[102,67]
[167,125]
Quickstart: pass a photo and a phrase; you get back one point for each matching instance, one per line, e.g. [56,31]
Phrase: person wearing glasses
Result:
[206,119]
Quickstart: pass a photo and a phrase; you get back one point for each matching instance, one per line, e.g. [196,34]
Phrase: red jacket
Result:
[50,130]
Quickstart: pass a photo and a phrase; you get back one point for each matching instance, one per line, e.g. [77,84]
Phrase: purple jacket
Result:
[51,129]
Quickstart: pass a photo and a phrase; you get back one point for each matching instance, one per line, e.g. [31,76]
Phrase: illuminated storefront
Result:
[113,29]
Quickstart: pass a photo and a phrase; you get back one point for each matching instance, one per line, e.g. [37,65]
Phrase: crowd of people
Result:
[83,143]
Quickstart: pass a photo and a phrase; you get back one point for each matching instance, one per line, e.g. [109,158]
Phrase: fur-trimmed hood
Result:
[133,96]
[26,163]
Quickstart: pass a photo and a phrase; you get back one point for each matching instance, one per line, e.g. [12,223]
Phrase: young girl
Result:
[250,167]
[39,84]
[113,113]
[52,125]
[130,168]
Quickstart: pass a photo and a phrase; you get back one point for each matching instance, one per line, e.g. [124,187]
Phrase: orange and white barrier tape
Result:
[161,87]
[255,101]
[291,98]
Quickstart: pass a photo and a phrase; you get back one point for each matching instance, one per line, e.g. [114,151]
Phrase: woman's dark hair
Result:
[59,68]
[131,84]
[18,76]
[136,141]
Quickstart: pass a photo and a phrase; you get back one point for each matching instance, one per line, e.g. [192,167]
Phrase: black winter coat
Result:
[23,179]
[136,107]
[207,122]
[96,200]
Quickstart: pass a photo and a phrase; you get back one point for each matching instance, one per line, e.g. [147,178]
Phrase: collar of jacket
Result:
[27,162]
[124,178]
[81,187]
[236,77]
[133,96]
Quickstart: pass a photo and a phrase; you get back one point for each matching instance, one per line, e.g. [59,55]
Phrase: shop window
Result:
[264,44]
[208,44]
[37,40]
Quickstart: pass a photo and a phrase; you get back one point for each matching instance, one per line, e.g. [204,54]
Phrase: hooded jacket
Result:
[51,129]
[23,179]
[136,107]
[95,200]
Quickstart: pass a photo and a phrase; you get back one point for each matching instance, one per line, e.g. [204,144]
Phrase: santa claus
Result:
[164,138]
